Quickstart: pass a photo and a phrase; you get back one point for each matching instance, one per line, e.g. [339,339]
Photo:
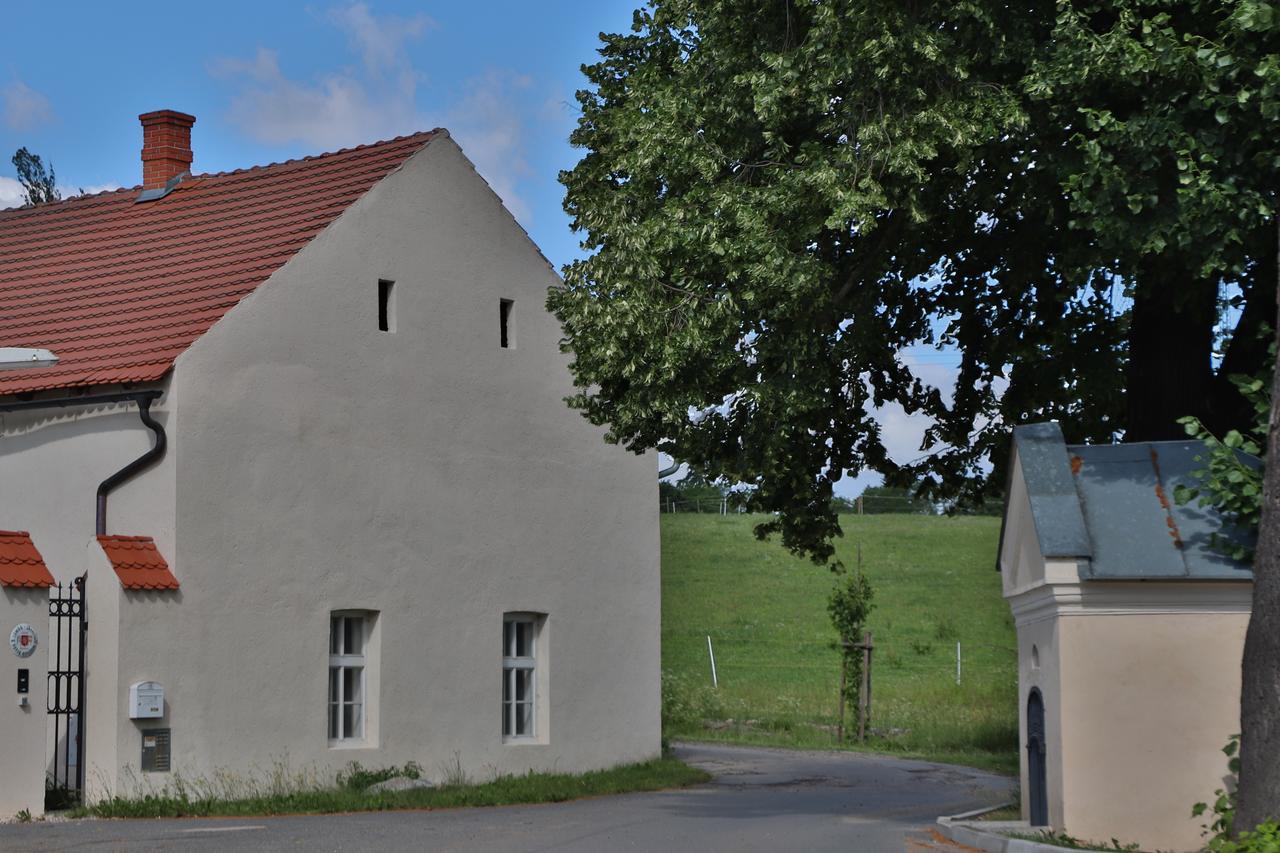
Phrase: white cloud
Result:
[378,99]
[11,193]
[489,125]
[380,40]
[337,111]
[23,108]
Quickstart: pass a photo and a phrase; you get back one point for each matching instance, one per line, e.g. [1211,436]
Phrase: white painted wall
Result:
[22,729]
[51,462]
[429,475]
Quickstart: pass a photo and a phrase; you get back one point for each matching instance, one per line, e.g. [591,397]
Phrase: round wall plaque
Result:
[22,639]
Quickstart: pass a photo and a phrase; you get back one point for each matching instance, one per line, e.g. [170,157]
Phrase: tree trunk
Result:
[1248,350]
[1170,371]
[1258,798]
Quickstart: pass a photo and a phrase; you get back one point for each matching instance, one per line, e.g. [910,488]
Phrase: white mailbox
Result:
[146,700]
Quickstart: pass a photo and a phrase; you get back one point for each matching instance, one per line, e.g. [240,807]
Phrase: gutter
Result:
[144,399]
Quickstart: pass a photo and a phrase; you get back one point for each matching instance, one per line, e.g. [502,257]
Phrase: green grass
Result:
[202,799]
[935,583]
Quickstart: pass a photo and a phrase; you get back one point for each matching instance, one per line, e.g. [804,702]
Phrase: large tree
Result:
[778,197]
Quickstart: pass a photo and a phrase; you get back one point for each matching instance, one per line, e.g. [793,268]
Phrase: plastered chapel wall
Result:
[428,475]
[1153,698]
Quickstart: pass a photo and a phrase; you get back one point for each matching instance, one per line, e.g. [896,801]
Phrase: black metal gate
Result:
[1037,781]
[68,627]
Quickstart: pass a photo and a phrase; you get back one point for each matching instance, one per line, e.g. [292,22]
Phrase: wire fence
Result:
[867,505]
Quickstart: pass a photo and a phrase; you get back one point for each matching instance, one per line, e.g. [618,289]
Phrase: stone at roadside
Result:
[397,784]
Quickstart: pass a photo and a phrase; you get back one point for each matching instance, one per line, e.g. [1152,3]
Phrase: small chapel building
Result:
[1130,624]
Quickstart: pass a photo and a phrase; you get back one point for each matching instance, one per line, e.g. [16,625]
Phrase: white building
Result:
[1131,631]
[362,502]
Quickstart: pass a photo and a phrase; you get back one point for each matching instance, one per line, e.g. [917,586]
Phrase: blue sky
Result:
[269,81]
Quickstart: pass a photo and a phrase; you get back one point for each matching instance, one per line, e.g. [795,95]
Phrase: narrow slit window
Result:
[386,306]
[507,338]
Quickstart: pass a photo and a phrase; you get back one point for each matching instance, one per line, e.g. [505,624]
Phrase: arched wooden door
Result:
[1037,773]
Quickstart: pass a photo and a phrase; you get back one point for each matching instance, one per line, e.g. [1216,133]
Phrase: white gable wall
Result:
[428,475]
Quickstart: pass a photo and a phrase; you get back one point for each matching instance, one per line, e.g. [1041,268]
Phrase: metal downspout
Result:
[143,461]
[144,399]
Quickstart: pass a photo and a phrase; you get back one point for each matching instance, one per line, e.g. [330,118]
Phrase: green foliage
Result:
[849,605]
[777,199]
[1264,839]
[357,778]
[24,816]
[38,182]
[1230,482]
[1219,829]
[693,492]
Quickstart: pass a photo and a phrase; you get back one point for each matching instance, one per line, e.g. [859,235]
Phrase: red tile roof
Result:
[137,562]
[20,562]
[119,289]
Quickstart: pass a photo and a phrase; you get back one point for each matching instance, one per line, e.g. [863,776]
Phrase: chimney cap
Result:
[167,117]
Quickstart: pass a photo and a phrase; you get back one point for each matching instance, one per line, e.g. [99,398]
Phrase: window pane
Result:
[351,720]
[524,685]
[506,684]
[353,635]
[335,635]
[335,673]
[524,639]
[351,684]
[524,718]
[333,721]
[507,633]
[506,719]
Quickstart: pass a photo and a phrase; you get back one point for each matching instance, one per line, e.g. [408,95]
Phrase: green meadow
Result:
[765,611]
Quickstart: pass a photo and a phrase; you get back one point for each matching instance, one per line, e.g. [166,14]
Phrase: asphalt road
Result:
[760,800]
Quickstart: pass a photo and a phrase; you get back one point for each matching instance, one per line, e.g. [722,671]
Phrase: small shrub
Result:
[357,778]
[24,816]
[924,648]
[1264,839]
[686,703]
[451,772]
[945,628]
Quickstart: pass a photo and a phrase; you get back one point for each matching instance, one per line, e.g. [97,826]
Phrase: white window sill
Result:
[351,744]
[524,741]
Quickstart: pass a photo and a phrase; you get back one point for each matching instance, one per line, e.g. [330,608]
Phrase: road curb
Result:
[964,829]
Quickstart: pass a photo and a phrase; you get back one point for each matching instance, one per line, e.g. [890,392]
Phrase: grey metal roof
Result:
[1111,507]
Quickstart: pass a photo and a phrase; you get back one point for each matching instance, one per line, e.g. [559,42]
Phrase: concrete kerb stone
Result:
[966,829]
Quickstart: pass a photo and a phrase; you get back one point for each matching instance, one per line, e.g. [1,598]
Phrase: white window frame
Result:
[512,665]
[341,660]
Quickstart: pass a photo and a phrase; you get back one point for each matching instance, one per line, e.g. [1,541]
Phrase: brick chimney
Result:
[166,146]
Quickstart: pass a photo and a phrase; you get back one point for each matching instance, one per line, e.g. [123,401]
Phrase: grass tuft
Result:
[200,799]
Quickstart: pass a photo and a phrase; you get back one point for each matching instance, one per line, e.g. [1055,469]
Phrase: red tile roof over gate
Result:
[137,562]
[118,289]
[20,562]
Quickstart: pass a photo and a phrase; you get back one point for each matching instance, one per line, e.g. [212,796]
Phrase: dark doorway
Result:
[1037,793]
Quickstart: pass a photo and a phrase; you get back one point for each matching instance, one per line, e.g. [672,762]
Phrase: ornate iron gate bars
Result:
[68,627]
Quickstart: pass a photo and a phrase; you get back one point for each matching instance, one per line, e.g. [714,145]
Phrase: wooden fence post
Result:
[864,703]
